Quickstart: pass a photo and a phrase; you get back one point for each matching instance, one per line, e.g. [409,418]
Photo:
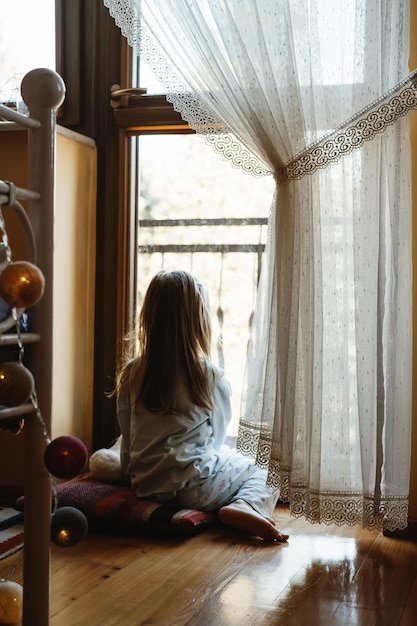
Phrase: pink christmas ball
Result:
[66,457]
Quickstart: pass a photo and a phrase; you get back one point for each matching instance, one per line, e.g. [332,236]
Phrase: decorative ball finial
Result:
[42,87]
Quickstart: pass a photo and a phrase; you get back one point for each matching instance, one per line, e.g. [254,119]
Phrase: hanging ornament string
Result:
[21,286]
[38,413]
[14,566]
[18,335]
[11,271]
[54,486]
[10,199]
[24,378]
[35,404]
[5,239]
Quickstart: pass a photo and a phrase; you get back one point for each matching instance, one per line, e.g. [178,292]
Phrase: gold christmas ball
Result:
[16,384]
[11,602]
[21,284]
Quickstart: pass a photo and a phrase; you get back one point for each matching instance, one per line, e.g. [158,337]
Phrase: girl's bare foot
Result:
[241,516]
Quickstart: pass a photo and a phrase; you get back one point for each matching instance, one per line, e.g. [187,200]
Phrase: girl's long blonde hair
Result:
[174,336]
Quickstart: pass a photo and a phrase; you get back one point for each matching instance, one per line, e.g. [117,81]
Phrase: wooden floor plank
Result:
[325,575]
[409,614]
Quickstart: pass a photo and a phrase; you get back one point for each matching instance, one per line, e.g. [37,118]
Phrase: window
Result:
[23,47]
[194,211]
[198,213]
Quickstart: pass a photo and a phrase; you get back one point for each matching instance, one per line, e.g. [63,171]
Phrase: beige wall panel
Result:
[74,275]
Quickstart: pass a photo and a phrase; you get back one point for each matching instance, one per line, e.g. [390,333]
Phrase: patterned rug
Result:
[11,531]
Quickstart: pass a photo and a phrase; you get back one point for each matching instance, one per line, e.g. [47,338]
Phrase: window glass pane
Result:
[182,178]
[27,41]
[148,79]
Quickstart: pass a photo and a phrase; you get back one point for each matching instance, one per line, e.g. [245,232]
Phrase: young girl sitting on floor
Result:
[174,408]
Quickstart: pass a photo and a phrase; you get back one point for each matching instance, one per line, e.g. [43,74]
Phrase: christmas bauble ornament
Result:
[68,526]
[11,602]
[16,383]
[21,284]
[66,456]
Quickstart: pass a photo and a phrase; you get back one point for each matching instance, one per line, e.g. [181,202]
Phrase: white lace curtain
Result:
[315,93]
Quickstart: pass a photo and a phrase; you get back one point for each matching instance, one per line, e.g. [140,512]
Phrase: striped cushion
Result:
[117,509]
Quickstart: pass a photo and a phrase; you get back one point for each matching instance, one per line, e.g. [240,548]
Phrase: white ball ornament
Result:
[11,602]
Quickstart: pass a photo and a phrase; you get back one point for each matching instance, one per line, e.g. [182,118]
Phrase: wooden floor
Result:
[325,575]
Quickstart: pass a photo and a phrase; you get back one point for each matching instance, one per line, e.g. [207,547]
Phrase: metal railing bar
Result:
[22,194]
[234,221]
[22,120]
[201,247]
[16,411]
[13,339]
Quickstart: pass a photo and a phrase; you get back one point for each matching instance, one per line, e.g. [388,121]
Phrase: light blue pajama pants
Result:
[236,477]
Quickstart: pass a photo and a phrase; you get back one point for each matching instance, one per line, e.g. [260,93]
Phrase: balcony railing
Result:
[256,248]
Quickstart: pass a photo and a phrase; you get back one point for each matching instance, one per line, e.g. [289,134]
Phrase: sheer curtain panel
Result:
[314,93]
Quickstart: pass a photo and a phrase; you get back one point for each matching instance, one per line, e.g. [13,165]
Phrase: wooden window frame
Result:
[91,56]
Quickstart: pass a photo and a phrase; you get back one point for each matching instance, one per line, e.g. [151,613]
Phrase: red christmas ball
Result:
[21,284]
[66,457]
[16,384]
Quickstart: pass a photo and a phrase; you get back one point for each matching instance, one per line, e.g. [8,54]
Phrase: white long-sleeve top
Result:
[163,453]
